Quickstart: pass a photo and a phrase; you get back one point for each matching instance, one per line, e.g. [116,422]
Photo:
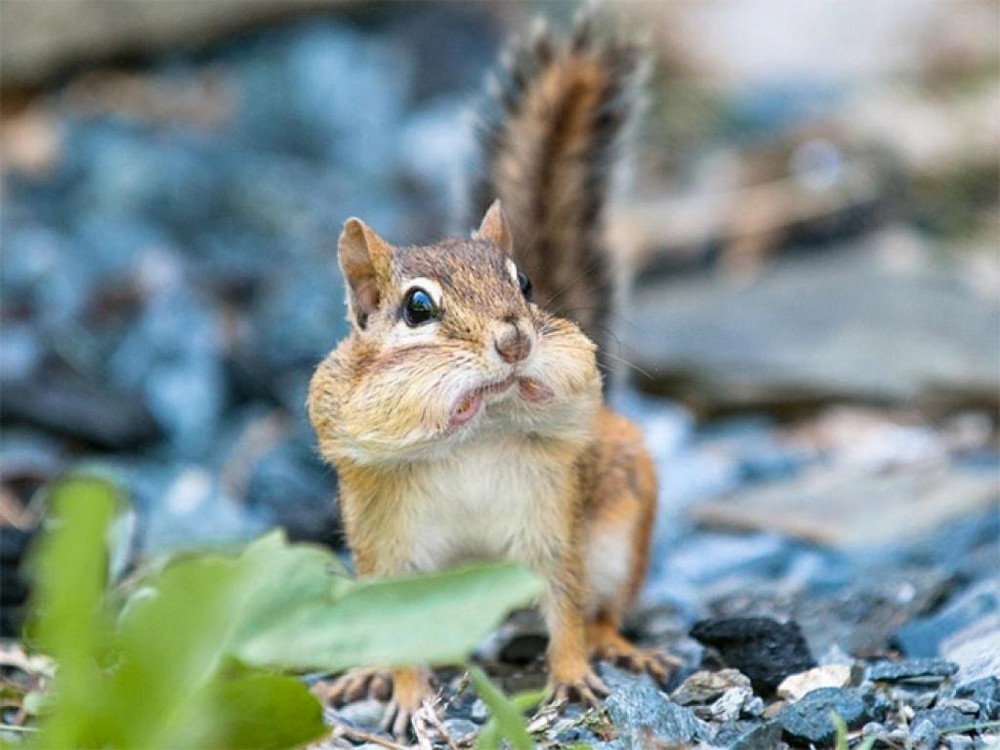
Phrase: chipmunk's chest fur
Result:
[487,500]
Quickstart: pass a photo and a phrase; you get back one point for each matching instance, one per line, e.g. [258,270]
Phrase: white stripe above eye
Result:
[512,270]
[428,285]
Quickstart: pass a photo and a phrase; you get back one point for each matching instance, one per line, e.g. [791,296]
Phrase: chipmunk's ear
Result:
[494,229]
[364,257]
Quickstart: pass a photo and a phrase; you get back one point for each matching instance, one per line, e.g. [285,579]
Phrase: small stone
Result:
[576,735]
[959,704]
[730,704]
[762,737]
[959,742]
[911,669]
[903,695]
[796,686]
[479,711]
[460,729]
[763,649]
[754,707]
[898,736]
[774,709]
[365,714]
[872,728]
[639,710]
[705,687]
[925,700]
[809,720]
[941,718]
[985,692]
[880,706]
[924,734]
[728,733]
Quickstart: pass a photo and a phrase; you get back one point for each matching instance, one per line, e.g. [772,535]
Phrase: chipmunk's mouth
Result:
[470,403]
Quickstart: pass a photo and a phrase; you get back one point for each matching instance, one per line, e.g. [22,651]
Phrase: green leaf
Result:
[180,666]
[507,720]
[179,629]
[282,578]
[69,569]
[266,711]
[841,727]
[435,619]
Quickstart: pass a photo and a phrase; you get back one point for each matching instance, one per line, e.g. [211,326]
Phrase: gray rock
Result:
[70,404]
[459,729]
[923,733]
[290,487]
[808,720]
[576,735]
[959,704]
[922,637]
[639,711]
[754,706]
[41,44]
[744,343]
[974,648]
[763,649]
[300,97]
[985,693]
[911,669]
[705,687]
[925,700]
[959,742]
[730,704]
[298,318]
[364,714]
[762,737]
[172,356]
[480,711]
[872,728]
[941,718]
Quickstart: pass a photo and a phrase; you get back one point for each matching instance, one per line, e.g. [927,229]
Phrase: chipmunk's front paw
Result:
[587,689]
[357,685]
[410,688]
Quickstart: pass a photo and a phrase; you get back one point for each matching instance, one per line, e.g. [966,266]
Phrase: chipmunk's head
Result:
[447,344]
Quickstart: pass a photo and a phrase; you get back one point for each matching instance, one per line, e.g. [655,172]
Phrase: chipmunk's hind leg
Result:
[621,514]
[607,644]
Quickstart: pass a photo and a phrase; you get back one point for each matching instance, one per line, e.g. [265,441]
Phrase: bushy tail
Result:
[549,139]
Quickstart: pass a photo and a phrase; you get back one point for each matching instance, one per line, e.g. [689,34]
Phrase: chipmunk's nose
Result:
[512,344]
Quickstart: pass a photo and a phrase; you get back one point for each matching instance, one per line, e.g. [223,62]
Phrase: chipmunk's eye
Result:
[525,283]
[419,308]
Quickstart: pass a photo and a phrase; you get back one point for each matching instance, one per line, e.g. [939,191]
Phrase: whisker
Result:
[575,280]
[632,365]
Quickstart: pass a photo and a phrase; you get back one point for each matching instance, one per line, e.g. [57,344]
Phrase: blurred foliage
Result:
[506,721]
[192,657]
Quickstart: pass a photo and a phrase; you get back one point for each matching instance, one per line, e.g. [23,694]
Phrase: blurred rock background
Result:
[811,341]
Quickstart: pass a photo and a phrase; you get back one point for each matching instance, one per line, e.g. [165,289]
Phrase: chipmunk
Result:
[464,411]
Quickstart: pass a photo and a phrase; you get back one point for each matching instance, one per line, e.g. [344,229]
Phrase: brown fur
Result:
[548,140]
[480,431]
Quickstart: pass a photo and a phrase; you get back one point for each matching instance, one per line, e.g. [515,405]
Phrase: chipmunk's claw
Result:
[589,690]
[359,684]
[397,721]
[410,688]
[657,664]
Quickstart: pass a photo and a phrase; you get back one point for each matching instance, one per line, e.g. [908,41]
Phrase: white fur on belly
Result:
[609,562]
[485,502]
